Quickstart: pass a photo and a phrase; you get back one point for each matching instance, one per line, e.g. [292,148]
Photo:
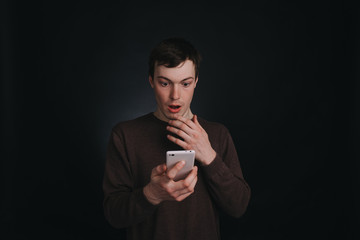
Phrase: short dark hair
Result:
[173,51]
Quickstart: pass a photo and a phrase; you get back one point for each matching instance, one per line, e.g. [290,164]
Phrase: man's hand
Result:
[194,137]
[162,186]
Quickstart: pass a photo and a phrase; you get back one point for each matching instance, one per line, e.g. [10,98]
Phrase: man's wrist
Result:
[149,196]
[210,159]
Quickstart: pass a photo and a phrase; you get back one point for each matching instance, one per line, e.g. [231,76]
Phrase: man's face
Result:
[174,89]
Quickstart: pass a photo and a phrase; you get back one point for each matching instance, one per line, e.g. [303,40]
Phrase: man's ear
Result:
[196,81]
[151,81]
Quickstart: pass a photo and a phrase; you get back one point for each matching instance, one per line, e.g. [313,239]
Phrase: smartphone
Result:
[173,157]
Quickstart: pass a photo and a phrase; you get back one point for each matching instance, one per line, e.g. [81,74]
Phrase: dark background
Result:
[281,75]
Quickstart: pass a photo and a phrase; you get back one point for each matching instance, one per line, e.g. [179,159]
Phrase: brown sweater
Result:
[135,148]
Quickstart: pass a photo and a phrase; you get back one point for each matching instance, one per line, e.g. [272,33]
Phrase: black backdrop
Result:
[280,75]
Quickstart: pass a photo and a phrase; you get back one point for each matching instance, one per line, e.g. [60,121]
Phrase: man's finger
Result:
[182,197]
[178,132]
[188,184]
[186,192]
[186,121]
[192,175]
[158,170]
[179,142]
[177,124]
[196,121]
[174,170]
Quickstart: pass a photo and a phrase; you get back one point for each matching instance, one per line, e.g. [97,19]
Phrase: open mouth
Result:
[174,108]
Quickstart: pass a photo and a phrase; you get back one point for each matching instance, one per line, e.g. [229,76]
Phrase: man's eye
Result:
[186,84]
[164,84]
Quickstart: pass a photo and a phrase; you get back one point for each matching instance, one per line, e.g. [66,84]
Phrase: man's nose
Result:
[175,92]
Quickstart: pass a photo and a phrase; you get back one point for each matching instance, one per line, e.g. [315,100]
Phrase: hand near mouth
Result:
[194,137]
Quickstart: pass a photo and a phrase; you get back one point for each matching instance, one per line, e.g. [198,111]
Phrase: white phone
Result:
[173,157]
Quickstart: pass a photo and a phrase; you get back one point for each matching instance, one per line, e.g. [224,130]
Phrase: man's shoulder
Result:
[212,126]
[218,133]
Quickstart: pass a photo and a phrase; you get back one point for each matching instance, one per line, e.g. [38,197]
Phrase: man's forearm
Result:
[127,208]
[231,192]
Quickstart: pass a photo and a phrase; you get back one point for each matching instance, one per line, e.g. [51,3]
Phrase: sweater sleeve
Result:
[123,205]
[225,180]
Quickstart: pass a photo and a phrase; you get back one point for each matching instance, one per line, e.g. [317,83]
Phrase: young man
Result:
[140,192]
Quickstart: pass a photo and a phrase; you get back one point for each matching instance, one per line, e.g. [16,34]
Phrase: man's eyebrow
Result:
[187,78]
[167,79]
[164,78]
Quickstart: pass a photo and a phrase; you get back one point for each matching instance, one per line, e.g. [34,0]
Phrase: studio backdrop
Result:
[280,75]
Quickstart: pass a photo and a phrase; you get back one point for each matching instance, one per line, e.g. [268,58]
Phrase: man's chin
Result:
[171,116]
[167,116]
